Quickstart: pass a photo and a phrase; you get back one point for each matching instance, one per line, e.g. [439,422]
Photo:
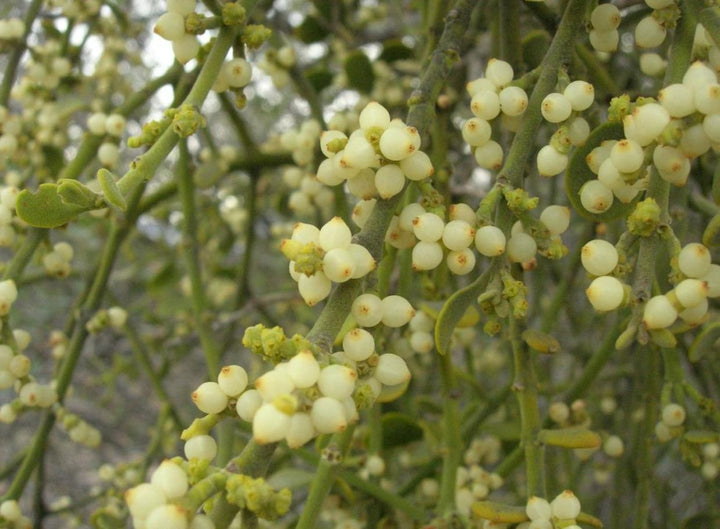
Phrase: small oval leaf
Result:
[578,173]
[110,189]
[499,512]
[701,436]
[570,438]
[45,208]
[399,429]
[454,310]
[540,341]
[359,71]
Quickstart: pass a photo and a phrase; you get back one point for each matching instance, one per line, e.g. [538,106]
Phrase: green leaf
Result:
[399,429]
[570,438]
[110,189]
[505,431]
[78,194]
[46,208]
[578,173]
[499,512]
[701,521]
[701,436]
[534,46]
[705,341]
[291,478]
[540,341]
[319,77]
[395,50]
[310,30]
[454,310]
[359,71]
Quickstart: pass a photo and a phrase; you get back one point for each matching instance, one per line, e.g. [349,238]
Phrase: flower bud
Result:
[171,479]
[233,380]
[328,415]
[694,260]
[391,369]
[673,415]
[358,344]
[659,313]
[490,241]
[270,425]
[301,430]
[396,311]
[538,508]
[209,398]
[200,447]
[248,404]
[599,257]
[605,293]
[367,309]
[566,506]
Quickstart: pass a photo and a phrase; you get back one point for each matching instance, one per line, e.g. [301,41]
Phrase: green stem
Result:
[191,252]
[143,358]
[145,166]
[91,304]
[17,53]
[644,470]
[452,445]
[374,490]
[558,54]
[91,143]
[22,257]
[323,481]
[525,386]
[509,27]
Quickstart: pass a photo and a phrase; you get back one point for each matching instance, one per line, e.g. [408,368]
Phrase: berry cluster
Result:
[573,130]
[277,63]
[651,31]
[11,514]
[154,505]
[492,95]
[304,397]
[11,29]
[375,159]
[319,257]
[473,483]
[561,512]
[111,127]
[604,21]
[666,135]
[57,261]
[171,26]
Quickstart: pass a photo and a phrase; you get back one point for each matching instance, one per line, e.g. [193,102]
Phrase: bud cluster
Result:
[171,26]
[665,135]
[302,397]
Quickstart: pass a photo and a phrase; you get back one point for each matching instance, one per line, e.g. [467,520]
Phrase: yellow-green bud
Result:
[645,219]
[233,14]
[187,121]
